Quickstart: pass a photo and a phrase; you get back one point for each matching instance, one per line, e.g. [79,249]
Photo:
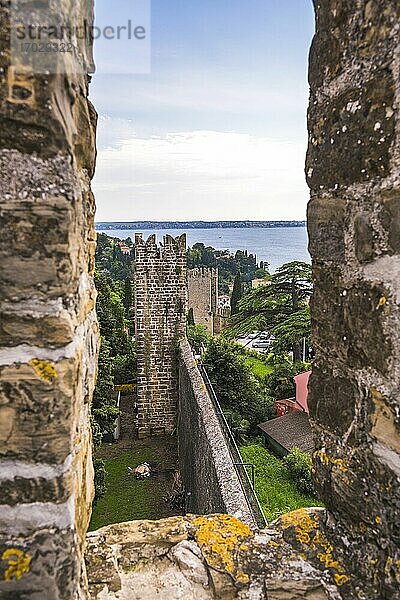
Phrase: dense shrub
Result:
[240,427]
[299,466]
[198,337]
[104,410]
[280,383]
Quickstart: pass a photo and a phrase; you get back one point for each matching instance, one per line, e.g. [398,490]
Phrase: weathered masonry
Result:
[353,169]
[48,329]
[203,299]
[207,468]
[203,295]
[160,314]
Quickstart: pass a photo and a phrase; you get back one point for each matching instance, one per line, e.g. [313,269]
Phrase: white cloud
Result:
[199,175]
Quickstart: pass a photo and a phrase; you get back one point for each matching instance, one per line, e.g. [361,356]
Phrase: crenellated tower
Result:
[160,313]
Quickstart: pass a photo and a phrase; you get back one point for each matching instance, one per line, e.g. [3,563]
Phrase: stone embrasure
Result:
[214,557]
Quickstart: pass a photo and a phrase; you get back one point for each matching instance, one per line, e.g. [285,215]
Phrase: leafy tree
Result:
[104,410]
[280,383]
[198,337]
[99,478]
[97,434]
[125,367]
[200,255]
[128,296]
[271,306]
[239,426]
[292,331]
[236,387]
[110,259]
[117,357]
[237,293]
[228,264]
[111,314]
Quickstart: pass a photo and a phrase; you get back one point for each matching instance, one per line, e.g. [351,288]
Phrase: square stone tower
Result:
[203,295]
[160,316]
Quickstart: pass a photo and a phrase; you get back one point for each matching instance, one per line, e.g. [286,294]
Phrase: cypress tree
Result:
[190,317]
[128,295]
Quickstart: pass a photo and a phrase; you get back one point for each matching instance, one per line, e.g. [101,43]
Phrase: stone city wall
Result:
[207,469]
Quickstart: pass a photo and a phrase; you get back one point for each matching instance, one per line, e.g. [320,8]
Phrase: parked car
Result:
[264,335]
[262,344]
[254,334]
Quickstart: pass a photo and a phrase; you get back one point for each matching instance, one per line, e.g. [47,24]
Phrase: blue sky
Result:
[216,129]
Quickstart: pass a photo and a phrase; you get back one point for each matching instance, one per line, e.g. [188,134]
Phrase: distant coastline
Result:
[144,225]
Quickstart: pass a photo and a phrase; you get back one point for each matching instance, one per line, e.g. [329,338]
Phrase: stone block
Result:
[326,226]
[357,122]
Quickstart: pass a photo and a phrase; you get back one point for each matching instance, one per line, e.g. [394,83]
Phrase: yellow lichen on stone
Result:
[308,533]
[44,369]
[322,456]
[220,538]
[18,563]
[302,522]
[340,579]
[382,301]
[339,463]
[397,570]
[326,460]
[388,565]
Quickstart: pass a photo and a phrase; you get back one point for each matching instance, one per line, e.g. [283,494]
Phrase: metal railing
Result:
[241,468]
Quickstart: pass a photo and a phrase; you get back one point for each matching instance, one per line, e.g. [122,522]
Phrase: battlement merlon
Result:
[178,243]
[151,248]
[211,272]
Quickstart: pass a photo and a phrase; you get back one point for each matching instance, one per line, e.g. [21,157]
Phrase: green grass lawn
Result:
[259,367]
[128,498]
[276,492]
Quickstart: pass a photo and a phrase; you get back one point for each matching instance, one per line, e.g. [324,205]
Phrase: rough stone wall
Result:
[214,557]
[203,295]
[353,170]
[206,466]
[160,309]
[48,328]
